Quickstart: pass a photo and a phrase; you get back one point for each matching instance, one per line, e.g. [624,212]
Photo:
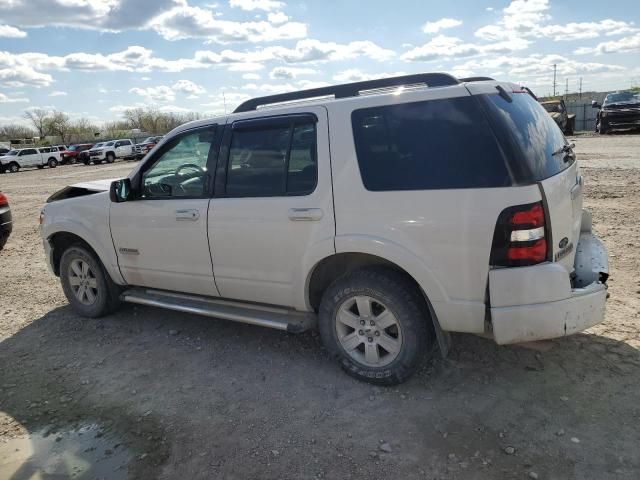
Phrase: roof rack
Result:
[476,79]
[350,89]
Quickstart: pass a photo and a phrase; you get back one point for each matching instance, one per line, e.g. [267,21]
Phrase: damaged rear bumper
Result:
[542,301]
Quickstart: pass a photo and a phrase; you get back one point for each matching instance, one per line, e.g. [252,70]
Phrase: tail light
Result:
[520,237]
[4,201]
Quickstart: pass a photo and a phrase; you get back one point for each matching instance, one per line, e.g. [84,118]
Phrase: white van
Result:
[39,157]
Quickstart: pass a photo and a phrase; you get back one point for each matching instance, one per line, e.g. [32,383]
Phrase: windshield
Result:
[108,144]
[149,140]
[528,135]
[623,97]
[72,148]
[12,153]
[97,145]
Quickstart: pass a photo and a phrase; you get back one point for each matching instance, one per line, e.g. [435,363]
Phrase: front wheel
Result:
[111,158]
[53,163]
[375,322]
[86,284]
[13,167]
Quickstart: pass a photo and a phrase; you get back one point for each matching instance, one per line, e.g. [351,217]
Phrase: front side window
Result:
[180,170]
[30,151]
[273,160]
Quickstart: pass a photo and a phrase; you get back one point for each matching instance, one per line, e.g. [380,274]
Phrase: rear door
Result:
[272,214]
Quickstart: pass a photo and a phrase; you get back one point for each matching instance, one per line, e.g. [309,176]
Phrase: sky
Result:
[96,58]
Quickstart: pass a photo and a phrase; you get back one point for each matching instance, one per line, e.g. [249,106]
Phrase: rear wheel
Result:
[375,322]
[85,283]
[53,163]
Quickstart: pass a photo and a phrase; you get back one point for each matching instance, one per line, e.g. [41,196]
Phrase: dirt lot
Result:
[147,393]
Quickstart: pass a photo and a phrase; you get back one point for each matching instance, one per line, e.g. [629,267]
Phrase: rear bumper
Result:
[541,302]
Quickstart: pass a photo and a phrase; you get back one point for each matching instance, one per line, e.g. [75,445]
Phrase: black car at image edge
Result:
[5,220]
[619,111]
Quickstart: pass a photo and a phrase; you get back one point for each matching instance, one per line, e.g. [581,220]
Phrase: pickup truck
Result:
[40,157]
[558,111]
[109,151]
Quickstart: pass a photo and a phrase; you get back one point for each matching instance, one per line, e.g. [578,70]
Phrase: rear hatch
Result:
[539,153]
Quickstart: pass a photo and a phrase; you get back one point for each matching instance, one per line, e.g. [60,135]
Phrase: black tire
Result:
[106,292]
[86,162]
[111,158]
[396,293]
[602,129]
[3,241]
[52,163]
[39,167]
[13,167]
[72,161]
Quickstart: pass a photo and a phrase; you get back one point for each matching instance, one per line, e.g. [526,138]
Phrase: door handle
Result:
[187,214]
[305,214]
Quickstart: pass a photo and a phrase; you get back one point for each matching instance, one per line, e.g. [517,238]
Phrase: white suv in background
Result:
[38,157]
[387,216]
[109,151]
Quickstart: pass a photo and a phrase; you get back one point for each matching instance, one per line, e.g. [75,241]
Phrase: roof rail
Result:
[350,89]
[476,79]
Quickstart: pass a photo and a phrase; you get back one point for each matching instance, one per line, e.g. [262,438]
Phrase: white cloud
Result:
[172,109]
[453,47]
[250,5]
[187,86]
[5,99]
[161,93]
[251,76]
[58,93]
[287,73]
[443,23]
[195,22]
[7,31]
[583,30]
[629,44]
[357,75]
[277,17]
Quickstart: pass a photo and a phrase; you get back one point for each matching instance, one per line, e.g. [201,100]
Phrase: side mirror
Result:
[120,190]
[595,104]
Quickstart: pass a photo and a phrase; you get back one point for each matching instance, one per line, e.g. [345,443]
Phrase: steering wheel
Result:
[188,165]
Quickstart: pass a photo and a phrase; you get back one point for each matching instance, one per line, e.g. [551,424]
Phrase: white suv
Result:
[109,151]
[389,215]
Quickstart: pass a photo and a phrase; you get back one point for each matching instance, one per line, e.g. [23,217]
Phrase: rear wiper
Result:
[568,148]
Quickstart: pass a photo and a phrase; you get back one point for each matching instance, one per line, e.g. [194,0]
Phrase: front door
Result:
[160,236]
[30,157]
[272,214]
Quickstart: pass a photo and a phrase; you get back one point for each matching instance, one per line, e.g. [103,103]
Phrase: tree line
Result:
[44,123]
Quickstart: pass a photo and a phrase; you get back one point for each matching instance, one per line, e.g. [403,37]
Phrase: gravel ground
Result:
[147,393]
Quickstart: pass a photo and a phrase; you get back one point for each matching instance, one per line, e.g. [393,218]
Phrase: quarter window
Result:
[273,160]
[434,144]
[181,168]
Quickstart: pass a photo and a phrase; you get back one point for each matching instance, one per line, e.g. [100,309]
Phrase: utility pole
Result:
[580,90]
[554,79]
[566,88]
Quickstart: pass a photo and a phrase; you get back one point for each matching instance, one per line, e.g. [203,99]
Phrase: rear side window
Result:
[434,144]
[529,136]
[272,160]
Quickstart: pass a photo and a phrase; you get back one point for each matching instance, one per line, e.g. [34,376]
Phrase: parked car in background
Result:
[385,219]
[72,154]
[4,151]
[558,111]
[39,157]
[142,148]
[6,223]
[85,156]
[109,151]
[619,111]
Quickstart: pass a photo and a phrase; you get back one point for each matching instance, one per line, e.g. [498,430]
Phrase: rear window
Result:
[528,135]
[434,144]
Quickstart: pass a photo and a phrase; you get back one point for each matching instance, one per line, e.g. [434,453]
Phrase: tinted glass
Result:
[30,151]
[428,145]
[181,169]
[528,135]
[272,160]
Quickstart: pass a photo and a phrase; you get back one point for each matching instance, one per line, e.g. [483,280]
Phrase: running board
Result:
[265,316]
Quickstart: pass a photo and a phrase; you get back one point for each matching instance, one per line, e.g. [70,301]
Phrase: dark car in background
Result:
[619,111]
[6,223]
[142,148]
[72,154]
[3,151]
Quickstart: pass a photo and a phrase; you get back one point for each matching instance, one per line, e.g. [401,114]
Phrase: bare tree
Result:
[11,132]
[60,125]
[40,119]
